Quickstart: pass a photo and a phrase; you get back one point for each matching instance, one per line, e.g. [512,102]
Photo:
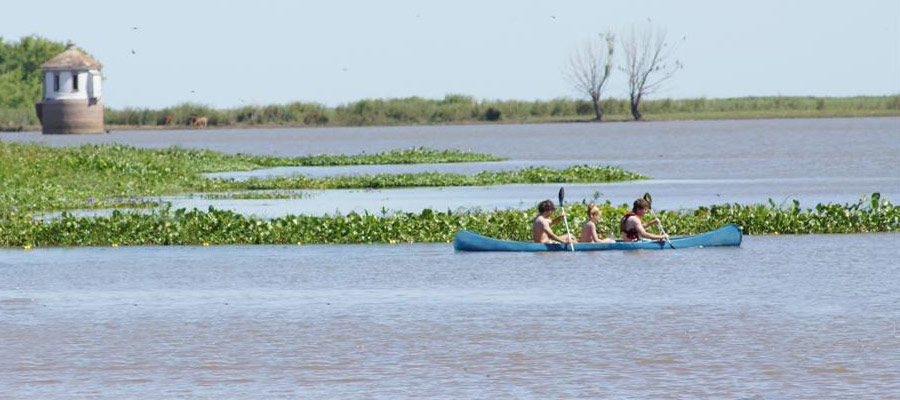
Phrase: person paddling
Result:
[540,226]
[632,224]
[589,231]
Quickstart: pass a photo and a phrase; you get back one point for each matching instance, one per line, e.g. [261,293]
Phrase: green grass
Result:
[193,227]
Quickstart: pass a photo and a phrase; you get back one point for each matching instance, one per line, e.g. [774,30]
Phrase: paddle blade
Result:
[562,195]
[648,199]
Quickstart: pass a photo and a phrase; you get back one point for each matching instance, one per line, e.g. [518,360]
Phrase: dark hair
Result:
[546,205]
[641,203]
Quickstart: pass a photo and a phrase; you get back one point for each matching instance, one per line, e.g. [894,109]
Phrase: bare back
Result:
[589,233]
[539,228]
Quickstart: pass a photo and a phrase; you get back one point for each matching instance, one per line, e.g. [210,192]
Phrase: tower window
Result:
[74,82]
[55,82]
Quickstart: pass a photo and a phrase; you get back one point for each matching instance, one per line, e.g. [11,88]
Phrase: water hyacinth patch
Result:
[278,194]
[212,226]
[41,178]
[573,174]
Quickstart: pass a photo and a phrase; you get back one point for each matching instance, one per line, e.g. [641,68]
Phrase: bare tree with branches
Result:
[589,68]
[648,63]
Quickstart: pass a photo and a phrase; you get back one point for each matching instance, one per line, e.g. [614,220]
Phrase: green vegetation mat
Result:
[40,178]
[573,174]
[194,227]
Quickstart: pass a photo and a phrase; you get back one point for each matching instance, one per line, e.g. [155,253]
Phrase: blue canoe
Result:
[728,235]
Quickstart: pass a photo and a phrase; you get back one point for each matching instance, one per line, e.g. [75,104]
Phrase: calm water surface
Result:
[668,195]
[692,163]
[781,317]
[732,149]
[812,317]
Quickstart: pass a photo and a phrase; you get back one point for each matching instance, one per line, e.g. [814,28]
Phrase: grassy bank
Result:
[194,227]
[456,109]
[463,109]
[40,178]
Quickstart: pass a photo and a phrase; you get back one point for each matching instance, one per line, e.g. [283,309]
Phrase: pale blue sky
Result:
[261,52]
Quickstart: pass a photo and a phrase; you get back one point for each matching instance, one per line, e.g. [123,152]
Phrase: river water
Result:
[795,317]
[800,317]
[691,163]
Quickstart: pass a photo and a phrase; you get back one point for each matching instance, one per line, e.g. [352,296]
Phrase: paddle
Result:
[562,196]
[663,231]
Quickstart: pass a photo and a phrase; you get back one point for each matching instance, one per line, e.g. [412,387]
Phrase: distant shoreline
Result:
[462,110]
[113,128]
[476,123]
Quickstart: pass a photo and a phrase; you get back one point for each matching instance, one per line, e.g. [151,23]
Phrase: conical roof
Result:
[72,58]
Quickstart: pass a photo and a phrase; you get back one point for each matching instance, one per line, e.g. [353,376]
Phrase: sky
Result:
[231,53]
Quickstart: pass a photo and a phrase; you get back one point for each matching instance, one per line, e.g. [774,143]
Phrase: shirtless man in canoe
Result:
[540,226]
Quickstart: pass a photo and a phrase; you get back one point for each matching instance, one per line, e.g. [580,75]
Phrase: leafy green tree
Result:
[20,69]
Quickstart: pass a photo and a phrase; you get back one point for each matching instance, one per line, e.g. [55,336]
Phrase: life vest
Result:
[630,234]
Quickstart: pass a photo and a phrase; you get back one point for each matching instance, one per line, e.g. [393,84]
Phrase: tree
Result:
[647,63]
[589,68]
[20,70]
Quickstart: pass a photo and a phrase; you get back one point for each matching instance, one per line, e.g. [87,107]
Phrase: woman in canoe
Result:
[540,226]
[589,231]
[633,226]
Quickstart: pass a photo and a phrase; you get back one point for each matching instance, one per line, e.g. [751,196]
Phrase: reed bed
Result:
[464,109]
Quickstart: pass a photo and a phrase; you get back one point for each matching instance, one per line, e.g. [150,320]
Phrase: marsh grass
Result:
[465,109]
[458,109]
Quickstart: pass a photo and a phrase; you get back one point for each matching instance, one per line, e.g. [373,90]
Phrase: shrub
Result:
[492,114]
[315,118]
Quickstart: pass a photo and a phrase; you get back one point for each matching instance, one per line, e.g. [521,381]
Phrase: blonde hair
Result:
[592,210]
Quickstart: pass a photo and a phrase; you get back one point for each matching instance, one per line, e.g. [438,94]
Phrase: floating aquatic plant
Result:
[196,227]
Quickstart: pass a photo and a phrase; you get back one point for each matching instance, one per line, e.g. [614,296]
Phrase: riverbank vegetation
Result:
[457,109]
[467,110]
[40,178]
[219,227]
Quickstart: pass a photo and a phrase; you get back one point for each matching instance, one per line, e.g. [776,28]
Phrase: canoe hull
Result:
[728,235]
